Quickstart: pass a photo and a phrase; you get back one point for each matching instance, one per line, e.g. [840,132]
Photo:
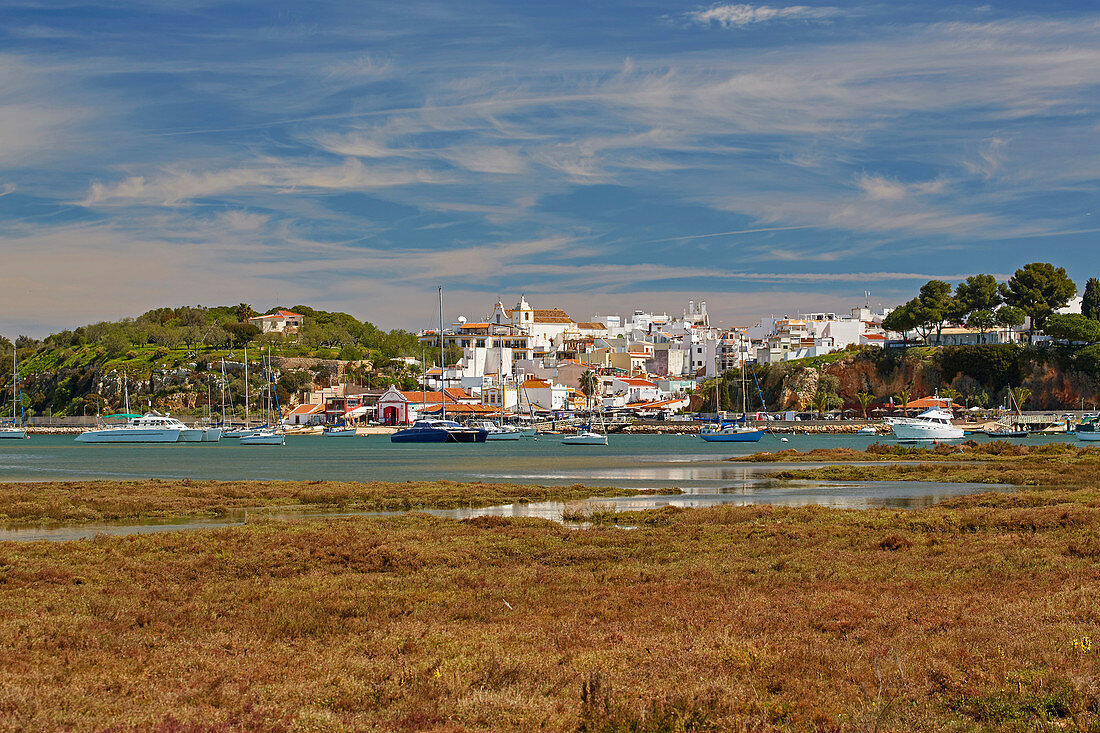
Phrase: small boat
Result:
[586,438]
[243,432]
[264,437]
[13,431]
[1088,430]
[868,430]
[152,427]
[1007,433]
[503,432]
[439,431]
[730,433]
[335,431]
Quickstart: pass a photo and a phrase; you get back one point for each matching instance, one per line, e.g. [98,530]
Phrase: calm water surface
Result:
[633,461]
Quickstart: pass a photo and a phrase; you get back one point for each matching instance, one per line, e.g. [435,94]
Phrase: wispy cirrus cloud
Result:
[178,187]
[375,145]
[740,15]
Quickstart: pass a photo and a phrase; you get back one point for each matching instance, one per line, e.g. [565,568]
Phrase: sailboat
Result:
[500,430]
[588,436]
[428,430]
[268,436]
[248,429]
[732,432]
[14,432]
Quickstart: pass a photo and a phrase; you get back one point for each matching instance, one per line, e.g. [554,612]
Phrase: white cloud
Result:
[881,188]
[178,187]
[739,16]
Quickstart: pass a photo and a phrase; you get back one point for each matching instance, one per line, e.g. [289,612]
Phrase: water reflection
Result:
[862,495]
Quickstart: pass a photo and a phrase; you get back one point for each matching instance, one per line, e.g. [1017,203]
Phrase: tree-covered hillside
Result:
[171,356]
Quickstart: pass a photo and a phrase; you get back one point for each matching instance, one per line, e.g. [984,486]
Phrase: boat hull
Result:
[263,439]
[341,433]
[126,435]
[585,439]
[241,432]
[191,435]
[439,435]
[13,434]
[211,435]
[908,431]
[744,436]
[1089,436]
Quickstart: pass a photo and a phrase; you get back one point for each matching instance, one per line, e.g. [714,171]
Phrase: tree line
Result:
[1034,293]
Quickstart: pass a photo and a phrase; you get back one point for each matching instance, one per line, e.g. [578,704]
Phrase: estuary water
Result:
[697,468]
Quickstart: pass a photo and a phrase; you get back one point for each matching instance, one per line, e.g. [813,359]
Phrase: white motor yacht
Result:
[152,427]
[932,424]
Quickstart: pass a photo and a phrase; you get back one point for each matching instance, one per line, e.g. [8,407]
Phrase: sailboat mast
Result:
[16,393]
[126,390]
[442,366]
[500,374]
[744,384]
[222,421]
[247,420]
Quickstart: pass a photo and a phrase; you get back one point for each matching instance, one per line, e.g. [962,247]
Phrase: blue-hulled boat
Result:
[730,433]
[439,431]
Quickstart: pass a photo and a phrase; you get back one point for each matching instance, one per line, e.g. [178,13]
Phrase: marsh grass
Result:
[970,450]
[969,615]
[75,502]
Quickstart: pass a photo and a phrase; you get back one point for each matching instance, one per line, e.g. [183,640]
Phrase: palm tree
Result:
[951,393]
[864,399]
[1020,395]
[823,401]
[588,385]
[903,397]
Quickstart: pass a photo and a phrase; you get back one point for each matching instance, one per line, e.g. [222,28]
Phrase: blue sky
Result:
[596,156]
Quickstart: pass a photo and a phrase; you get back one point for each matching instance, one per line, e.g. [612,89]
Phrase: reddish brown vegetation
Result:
[974,614]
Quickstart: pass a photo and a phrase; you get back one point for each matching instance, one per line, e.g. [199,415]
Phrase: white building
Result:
[278,322]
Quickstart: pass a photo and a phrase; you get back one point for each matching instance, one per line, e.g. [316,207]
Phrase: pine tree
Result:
[1090,301]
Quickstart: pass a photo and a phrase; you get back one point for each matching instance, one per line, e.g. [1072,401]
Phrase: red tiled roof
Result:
[280,314]
[462,408]
[454,394]
[307,409]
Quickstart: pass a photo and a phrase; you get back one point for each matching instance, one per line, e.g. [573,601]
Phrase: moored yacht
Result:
[152,427]
[586,437]
[730,433]
[502,432]
[438,431]
[13,431]
[932,424]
